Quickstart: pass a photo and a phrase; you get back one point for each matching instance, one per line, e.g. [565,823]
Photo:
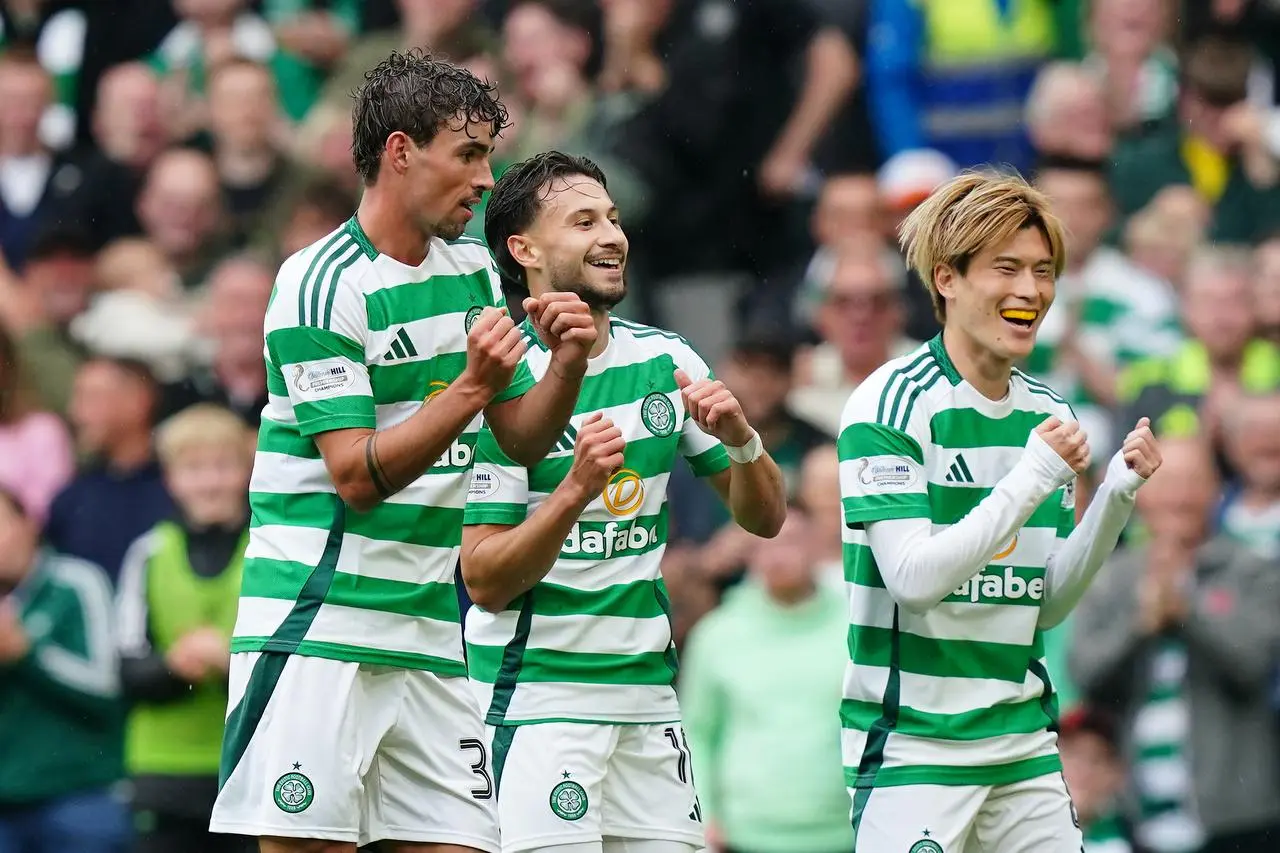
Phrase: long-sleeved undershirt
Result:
[920,567]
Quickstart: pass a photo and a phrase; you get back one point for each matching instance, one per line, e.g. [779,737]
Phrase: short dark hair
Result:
[517,197]
[416,94]
[1216,68]
[61,241]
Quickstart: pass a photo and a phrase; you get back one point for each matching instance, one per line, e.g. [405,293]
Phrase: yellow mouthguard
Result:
[1018,314]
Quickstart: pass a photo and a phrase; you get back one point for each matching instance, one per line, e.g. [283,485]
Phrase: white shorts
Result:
[340,751]
[574,783]
[1033,816]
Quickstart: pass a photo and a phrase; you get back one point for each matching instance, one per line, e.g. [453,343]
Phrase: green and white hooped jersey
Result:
[959,695]
[357,339]
[592,641]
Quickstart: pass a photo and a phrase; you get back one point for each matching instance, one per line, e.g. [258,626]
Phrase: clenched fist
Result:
[1140,451]
[596,455]
[565,325]
[494,348]
[714,408]
[1068,441]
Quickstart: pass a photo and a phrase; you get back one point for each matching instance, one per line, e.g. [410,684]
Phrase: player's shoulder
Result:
[896,391]
[1034,395]
[337,261]
[464,256]
[653,341]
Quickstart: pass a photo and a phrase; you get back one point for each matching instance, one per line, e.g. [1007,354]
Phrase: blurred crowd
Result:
[158,158]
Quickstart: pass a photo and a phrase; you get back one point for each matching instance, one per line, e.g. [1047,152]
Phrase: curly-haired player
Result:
[350,718]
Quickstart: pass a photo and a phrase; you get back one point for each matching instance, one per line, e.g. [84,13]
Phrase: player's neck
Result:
[390,228]
[977,365]
[600,316]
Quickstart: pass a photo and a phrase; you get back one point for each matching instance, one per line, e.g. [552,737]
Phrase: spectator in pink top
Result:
[36,458]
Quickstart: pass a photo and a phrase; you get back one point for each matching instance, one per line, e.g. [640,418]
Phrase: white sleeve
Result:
[1070,569]
[132,613]
[920,568]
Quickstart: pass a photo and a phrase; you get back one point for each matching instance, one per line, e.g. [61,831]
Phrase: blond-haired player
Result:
[957,482]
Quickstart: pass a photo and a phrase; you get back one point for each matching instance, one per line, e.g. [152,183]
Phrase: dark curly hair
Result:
[416,94]
[517,196]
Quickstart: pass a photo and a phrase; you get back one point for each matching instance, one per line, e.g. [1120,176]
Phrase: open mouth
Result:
[1023,318]
[607,263]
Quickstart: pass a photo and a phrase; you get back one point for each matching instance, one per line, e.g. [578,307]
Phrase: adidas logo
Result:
[567,440]
[401,347]
[959,471]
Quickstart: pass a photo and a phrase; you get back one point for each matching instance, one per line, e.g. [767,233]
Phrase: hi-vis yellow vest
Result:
[969,33]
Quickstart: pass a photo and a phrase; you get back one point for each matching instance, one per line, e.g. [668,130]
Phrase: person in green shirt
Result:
[761,675]
[176,608]
[59,699]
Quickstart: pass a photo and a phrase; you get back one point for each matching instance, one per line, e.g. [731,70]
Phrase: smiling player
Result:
[957,478]
[351,719]
[570,644]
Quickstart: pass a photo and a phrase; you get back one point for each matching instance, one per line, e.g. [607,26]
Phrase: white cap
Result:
[908,177]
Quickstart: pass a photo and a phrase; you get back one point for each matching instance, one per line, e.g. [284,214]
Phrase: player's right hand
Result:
[1068,441]
[596,455]
[494,348]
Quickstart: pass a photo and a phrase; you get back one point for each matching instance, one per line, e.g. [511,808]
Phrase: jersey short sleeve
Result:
[882,473]
[522,379]
[704,453]
[499,492]
[316,330]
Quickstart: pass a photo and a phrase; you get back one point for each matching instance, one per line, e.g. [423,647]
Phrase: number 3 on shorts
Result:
[480,767]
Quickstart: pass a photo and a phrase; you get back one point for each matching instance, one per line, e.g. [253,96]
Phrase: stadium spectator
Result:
[859,319]
[233,373]
[60,710]
[321,205]
[247,135]
[1195,387]
[129,132]
[1250,514]
[179,588]
[33,179]
[450,29]
[1107,312]
[1094,770]
[36,459]
[208,33]
[1218,145]
[1179,638]
[1266,289]
[758,371]
[119,493]
[181,212]
[39,306]
[768,770]
[952,75]
[732,124]
[1066,114]
[1132,58]
[312,37]
[819,495]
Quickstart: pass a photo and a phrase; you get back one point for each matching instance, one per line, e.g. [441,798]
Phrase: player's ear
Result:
[396,150]
[945,279]
[523,251]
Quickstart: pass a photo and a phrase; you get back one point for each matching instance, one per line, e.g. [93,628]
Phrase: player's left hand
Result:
[714,408]
[564,324]
[1140,450]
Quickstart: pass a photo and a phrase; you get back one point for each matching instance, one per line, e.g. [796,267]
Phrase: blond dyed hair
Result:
[202,426]
[970,213]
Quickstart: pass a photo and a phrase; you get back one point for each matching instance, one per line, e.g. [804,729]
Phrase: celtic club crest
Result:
[293,793]
[569,801]
[658,415]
